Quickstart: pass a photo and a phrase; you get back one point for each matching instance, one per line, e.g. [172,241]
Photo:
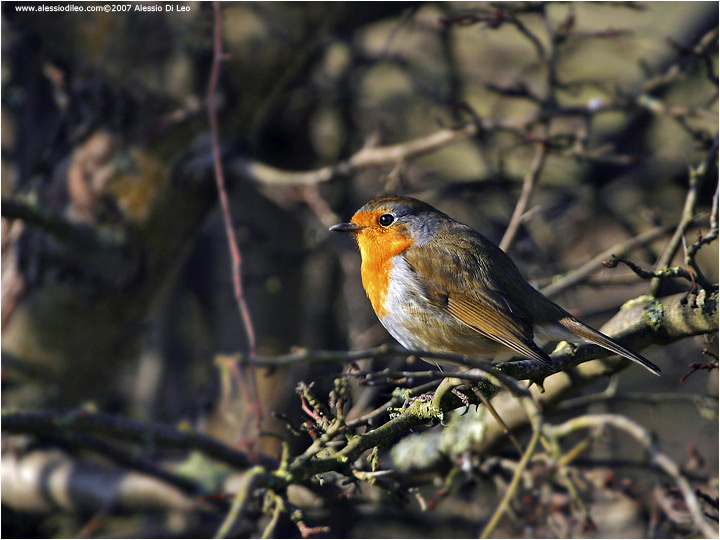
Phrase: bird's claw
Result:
[462,397]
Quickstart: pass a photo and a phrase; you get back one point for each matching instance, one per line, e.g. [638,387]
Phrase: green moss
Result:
[374,459]
[654,314]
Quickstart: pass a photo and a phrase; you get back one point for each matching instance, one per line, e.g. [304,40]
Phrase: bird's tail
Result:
[581,330]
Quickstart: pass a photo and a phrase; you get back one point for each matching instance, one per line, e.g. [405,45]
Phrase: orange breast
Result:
[377,248]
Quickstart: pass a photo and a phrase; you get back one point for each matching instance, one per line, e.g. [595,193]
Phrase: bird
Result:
[440,286]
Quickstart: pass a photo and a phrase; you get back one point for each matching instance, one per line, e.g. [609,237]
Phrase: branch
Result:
[56,225]
[672,320]
[675,70]
[643,322]
[244,495]
[651,321]
[652,398]
[367,157]
[378,156]
[639,323]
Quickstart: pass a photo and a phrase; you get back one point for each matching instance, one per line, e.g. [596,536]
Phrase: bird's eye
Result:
[386,219]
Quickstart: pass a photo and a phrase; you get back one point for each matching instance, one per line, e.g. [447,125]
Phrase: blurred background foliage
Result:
[116,284]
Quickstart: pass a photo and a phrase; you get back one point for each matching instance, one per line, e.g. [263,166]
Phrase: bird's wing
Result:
[471,297]
[490,314]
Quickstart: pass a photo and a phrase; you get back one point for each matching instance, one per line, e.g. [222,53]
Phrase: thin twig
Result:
[698,366]
[218,57]
[675,271]
[499,420]
[277,510]
[236,258]
[527,189]
[675,69]
[514,483]
[524,30]
[372,417]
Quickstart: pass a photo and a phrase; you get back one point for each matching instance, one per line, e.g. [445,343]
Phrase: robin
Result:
[438,285]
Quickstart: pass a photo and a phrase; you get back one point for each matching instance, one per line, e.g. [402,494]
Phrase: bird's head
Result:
[388,225]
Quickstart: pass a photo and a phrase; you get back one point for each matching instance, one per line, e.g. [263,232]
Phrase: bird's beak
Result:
[347,227]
